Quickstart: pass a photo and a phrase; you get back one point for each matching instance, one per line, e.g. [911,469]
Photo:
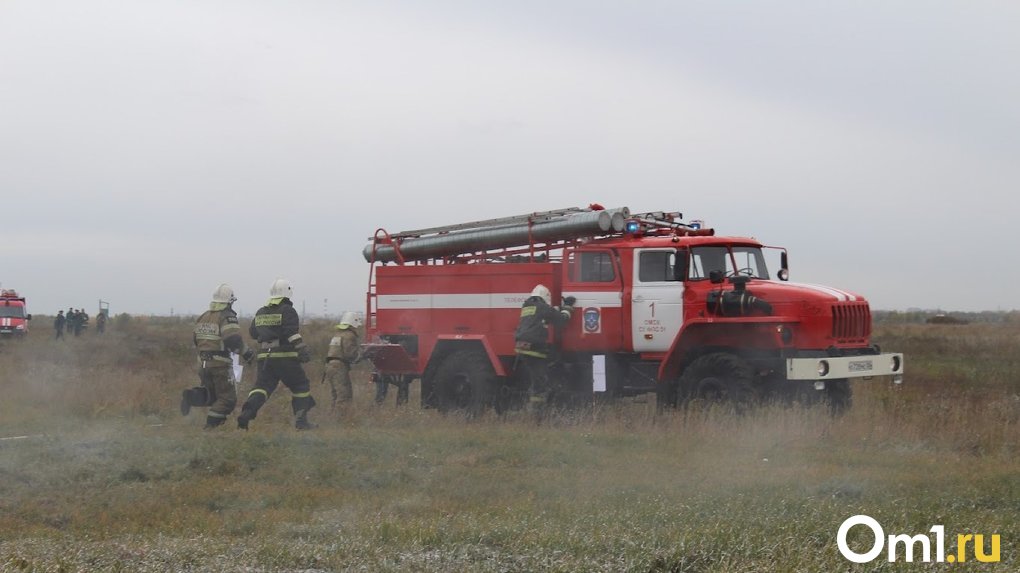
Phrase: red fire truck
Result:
[13,319]
[662,306]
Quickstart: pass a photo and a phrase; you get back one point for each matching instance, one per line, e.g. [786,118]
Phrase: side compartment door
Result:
[657,298]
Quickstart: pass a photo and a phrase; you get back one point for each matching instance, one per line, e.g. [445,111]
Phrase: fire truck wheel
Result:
[839,396]
[465,381]
[719,378]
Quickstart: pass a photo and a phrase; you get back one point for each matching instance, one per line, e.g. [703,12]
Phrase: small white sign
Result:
[598,373]
[238,368]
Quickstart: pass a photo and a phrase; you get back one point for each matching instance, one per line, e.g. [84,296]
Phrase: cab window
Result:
[658,266]
[592,267]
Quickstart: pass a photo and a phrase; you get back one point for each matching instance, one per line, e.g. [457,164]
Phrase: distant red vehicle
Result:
[13,318]
[662,306]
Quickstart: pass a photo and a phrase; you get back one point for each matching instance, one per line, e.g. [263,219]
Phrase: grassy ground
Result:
[99,472]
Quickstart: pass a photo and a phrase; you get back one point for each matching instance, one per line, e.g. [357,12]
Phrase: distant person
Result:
[282,351]
[58,325]
[75,322]
[101,322]
[215,336]
[532,342]
[342,353]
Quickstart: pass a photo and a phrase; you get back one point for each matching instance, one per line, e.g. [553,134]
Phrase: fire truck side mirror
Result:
[784,267]
[28,317]
[716,277]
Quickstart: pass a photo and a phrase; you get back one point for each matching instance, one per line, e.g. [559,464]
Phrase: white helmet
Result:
[280,289]
[543,292]
[224,294]
[349,319]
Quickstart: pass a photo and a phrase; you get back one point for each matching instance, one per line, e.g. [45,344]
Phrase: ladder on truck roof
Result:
[490,223]
[465,241]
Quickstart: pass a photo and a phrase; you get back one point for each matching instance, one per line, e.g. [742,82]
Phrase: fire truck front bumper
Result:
[834,368]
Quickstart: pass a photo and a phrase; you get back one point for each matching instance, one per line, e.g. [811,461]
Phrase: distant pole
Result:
[325,307]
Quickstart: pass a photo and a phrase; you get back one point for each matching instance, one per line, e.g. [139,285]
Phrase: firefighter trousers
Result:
[219,382]
[338,374]
[272,371]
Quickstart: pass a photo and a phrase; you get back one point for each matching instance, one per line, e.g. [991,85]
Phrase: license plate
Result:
[860,366]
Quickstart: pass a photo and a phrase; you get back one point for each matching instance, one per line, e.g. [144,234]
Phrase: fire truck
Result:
[661,306]
[13,319]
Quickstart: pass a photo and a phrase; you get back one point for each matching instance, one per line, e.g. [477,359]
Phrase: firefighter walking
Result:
[216,335]
[532,342]
[280,355]
[343,352]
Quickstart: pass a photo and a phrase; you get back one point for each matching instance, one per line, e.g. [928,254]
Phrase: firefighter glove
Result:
[569,300]
[303,354]
[248,355]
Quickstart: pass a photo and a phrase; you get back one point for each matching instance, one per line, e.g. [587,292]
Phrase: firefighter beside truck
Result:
[662,306]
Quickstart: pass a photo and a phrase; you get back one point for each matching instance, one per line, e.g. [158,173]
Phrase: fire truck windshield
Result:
[12,311]
[732,260]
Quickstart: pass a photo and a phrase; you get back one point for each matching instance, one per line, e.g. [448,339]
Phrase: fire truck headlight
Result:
[896,364]
[785,334]
[823,367]
[20,327]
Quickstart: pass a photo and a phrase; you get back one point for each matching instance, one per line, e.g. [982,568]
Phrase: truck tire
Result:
[721,378]
[465,381]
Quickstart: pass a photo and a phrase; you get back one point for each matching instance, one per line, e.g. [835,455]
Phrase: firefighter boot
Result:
[197,396]
[256,398]
[301,406]
[212,421]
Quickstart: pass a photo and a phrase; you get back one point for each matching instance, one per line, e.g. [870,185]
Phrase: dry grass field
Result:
[100,472]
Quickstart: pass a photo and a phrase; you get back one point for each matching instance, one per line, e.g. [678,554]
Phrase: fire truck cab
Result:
[13,318]
[661,306]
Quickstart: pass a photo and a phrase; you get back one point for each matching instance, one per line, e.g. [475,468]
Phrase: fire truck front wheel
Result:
[721,378]
[465,381]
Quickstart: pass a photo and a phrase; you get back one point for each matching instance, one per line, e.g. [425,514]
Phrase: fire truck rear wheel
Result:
[719,377]
[465,381]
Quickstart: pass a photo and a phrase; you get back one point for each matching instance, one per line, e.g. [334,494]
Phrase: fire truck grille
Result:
[851,320]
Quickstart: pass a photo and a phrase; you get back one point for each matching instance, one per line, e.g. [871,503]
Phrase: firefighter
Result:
[281,353]
[216,335]
[343,352]
[101,322]
[58,324]
[532,341]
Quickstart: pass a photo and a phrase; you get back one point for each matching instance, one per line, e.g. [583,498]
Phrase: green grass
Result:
[112,478]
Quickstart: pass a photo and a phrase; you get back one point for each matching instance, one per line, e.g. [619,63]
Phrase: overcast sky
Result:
[150,150]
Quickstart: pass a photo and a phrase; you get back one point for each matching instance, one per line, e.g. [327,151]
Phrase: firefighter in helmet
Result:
[216,335]
[343,352]
[532,341]
[280,355]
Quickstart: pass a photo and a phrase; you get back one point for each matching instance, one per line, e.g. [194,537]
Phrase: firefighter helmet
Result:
[280,289]
[349,320]
[542,292]
[224,294]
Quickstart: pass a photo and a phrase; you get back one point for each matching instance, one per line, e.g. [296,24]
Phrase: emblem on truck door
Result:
[592,320]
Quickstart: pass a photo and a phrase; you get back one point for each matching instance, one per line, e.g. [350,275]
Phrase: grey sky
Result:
[150,150]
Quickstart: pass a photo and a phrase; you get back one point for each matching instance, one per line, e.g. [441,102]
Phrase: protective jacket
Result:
[532,335]
[343,346]
[216,334]
[276,329]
